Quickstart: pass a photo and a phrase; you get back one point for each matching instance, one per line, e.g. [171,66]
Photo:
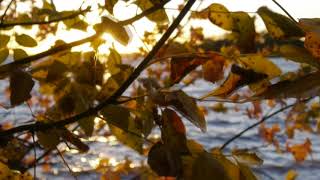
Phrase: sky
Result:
[297,8]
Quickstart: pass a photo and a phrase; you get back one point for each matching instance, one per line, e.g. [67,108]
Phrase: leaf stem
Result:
[285,11]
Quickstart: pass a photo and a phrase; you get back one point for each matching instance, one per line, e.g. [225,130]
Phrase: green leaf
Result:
[26,40]
[4,39]
[21,84]
[19,54]
[4,53]
[159,16]
[114,28]
[109,4]
[187,106]
[76,23]
[87,125]
[278,25]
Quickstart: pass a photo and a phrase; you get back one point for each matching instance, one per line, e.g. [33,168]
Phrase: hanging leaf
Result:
[236,79]
[25,40]
[4,53]
[19,54]
[213,69]
[187,106]
[247,157]
[206,167]
[173,132]
[117,116]
[220,16]
[115,29]
[159,16]
[4,39]
[298,54]
[21,84]
[109,4]
[297,88]
[291,175]
[162,162]
[279,26]
[70,137]
[300,151]
[87,125]
[244,26]
[231,169]
[114,59]
[56,71]
[245,172]
[180,67]
[49,139]
[260,64]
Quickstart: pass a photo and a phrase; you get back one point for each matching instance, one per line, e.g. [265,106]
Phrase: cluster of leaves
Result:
[78,82]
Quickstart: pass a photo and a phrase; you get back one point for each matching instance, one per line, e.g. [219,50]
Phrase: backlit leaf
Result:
[117,116]
[76,23]
[4,39]
[115,29]
[180,67]
[300,151]
[187,106]
[291,175]
[278,25]
[260,64]
[159,16]
[4,53]
[244,26]
[109,4]
[19,54]
[26,40]
[21,84]
[231,168]
[70,137]
[220,16]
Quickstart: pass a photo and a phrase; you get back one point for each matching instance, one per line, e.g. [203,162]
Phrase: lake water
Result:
[221,127]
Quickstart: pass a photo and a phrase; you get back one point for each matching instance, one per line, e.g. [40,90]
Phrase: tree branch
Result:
[112,99]
[4,69]
[257,123]
[23,23]
[5,12]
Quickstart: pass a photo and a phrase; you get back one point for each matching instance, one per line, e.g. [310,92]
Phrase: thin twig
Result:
[113,98]
[35,157]
[66,164]
[5,12]
[257,123]
[285,11]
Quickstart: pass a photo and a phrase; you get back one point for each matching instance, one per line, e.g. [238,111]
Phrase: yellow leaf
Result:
[5,172]
[278,25]
[19,54]
[26,40]
[220,16]
[247,157]
[260,64]
[4,39]
[312,43]
[246,173]
[291,175]
[4,53]
[159,16]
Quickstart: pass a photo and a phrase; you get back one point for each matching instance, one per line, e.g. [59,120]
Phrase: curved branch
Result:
[23,23]
[257,123]
[113,98]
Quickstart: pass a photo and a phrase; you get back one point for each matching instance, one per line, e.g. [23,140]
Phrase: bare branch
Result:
[5,12]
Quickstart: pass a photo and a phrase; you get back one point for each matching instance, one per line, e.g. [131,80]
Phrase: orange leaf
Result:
[300,151]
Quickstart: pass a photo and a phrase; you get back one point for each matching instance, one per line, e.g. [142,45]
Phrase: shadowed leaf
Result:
[26,40]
